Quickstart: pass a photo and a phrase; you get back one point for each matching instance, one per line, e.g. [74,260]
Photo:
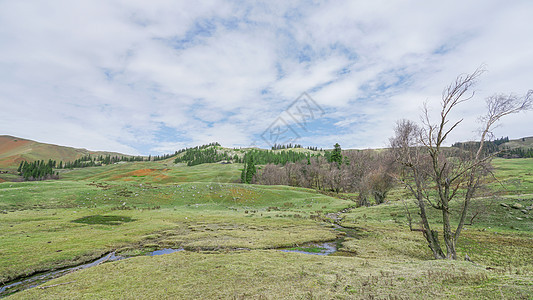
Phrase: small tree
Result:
[249,169]
[243,172]
[435,176]
[380,183]
[336,156]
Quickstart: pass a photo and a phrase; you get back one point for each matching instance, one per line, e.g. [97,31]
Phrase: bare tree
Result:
[360,164]
[271,174]
[363,171]
[436,176]
[380,181]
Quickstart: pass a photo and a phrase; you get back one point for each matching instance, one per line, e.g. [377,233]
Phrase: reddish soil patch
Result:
[142,172]
[8,144]
[1,180]
[156,173]
[9,161]
[162,177]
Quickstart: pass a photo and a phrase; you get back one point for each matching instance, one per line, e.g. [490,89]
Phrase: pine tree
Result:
[250,170]
[336,156]
[243,173]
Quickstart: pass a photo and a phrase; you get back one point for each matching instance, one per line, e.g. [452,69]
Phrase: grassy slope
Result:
[515,176]
[197,213]
[157,172]
[13,150]
[524,143]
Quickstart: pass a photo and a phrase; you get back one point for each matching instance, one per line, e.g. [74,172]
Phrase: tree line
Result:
[516,153]
[161,157]
[38,170]
[490,147]
[96,161]
[366,172]
[208,154]
[262,157]
[196,156]
[289,146]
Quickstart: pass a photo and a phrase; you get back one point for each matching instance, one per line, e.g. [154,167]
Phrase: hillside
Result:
[524,143]
[13,150]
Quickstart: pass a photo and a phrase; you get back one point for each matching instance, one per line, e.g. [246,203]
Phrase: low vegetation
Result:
[231,231]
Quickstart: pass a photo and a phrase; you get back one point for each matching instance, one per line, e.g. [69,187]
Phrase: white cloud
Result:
[136,77]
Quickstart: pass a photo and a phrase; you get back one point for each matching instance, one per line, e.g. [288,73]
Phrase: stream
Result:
[38,279]
[325,248]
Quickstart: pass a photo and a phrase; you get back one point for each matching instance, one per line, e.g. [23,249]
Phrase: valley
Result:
[232,233]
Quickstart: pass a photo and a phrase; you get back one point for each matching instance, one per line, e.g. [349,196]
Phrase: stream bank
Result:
[38,279]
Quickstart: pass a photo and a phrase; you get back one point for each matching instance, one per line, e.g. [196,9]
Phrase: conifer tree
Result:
[336,156]
[250,170]
[243,173]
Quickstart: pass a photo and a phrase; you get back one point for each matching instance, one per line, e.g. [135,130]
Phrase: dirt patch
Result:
[156,173]
[13,160]
[162,177]
[142,172]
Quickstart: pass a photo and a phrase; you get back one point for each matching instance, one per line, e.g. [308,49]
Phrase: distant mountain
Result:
[13,150]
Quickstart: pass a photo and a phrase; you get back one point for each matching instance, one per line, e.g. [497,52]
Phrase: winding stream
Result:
[38,279]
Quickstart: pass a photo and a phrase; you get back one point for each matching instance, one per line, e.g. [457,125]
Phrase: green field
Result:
[232,233]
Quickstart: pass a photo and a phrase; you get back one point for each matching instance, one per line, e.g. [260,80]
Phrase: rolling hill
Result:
[13,150]
[524,143]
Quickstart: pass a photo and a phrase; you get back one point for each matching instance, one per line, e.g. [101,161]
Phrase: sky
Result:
[152,77]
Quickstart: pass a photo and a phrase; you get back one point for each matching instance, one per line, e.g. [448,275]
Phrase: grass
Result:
[104,220]
[514,176]
[228,228]
[54,224]
[275,275]
[497,236]
[34,241]
[157,172]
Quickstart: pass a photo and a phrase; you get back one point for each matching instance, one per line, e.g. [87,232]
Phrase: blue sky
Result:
[152,77]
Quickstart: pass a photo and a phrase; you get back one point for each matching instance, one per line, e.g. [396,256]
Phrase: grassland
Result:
[41,228]
[277,275]
[231,232]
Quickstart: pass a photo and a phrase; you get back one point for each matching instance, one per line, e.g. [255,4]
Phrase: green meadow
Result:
[231,234]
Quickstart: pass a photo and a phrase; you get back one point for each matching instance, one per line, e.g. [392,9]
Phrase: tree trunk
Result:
[449,239]
[431,235]
[362,200]
[379,197]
